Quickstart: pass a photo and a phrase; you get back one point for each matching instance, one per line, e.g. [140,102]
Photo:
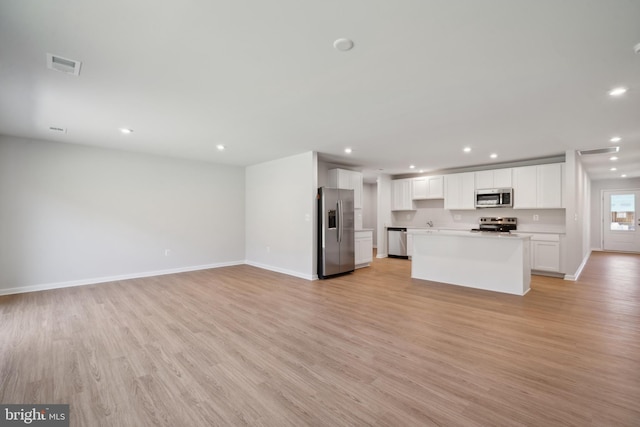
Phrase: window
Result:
[623,215]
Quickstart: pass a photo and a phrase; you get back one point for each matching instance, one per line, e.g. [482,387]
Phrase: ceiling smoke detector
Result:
[64,65]
[609,150]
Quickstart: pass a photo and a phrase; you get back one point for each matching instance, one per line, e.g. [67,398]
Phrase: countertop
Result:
[363,229]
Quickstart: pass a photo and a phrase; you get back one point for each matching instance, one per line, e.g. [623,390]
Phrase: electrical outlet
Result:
[167,252]
[268,249]
[457,217]
[408,216]
[536,217]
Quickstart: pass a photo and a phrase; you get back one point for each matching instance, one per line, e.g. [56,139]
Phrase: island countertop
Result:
[497,262]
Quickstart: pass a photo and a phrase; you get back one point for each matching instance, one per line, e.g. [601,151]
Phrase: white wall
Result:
[281,211]
[370,209]
[384,213]
[596,203]
[74,214]
[577,191]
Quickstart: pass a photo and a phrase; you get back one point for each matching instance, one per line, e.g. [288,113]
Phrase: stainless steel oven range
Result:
[497,224]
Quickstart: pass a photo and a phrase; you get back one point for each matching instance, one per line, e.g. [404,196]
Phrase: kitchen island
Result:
[497,262]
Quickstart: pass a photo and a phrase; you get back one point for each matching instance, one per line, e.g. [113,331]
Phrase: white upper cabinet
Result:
[537,187]
[502,178]
[550,186]
[497,178]
[459,191]
[428,187]
[401,195]
[351,180]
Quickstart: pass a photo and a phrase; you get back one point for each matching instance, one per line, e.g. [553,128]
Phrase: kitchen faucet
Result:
[430,223]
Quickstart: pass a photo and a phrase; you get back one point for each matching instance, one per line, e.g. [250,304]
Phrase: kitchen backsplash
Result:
[548,220]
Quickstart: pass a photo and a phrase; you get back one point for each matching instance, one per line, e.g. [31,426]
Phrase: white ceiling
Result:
[523,79]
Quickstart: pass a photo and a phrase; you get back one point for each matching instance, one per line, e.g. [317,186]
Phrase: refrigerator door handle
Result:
[339,220]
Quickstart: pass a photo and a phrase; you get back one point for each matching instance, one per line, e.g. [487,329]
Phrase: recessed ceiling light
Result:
[412,166]
[624,175]
[615,139]
[613,158]
[347,150]
[467,149]
[343,44]
[125,130]
[494,156]
[613,169]
[618,91]
[220,147]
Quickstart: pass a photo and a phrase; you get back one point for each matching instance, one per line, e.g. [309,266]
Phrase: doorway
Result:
[621,222]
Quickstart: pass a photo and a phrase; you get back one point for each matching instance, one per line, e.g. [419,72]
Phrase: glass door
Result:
[621,224]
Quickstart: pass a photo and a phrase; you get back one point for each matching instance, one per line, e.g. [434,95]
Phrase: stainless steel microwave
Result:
[494,198]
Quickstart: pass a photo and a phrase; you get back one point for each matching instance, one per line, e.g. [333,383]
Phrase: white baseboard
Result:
[96,280]
[381,256]
[283,270]
[576,275]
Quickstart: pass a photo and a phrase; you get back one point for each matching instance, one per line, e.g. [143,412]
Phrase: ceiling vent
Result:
[607,150]
[57,129]
[65,65]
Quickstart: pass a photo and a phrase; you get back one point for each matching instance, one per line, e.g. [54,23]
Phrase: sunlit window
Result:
[623,212]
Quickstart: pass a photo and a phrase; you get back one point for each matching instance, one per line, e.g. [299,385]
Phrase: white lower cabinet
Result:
[363,248]
[545,252]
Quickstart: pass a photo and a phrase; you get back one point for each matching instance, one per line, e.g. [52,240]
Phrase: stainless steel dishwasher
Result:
[397,241]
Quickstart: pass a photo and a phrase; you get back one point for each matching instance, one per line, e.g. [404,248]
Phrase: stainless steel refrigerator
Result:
[336,243]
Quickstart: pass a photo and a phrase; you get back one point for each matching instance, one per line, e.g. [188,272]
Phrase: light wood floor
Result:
[243,346]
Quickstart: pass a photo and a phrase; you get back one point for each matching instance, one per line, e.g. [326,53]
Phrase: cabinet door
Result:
[484,179]
[546,256]
[401,195]
[420,188]
[525,187]
[460,191]
[549,179]
[363,247]
[409,243]
[468,191]
[396,195]
[452,191]
[367,247]
[356,182]
[502,178]
[359,251]
[435,187]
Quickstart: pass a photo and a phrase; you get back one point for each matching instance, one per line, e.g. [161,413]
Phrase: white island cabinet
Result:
[490,261]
